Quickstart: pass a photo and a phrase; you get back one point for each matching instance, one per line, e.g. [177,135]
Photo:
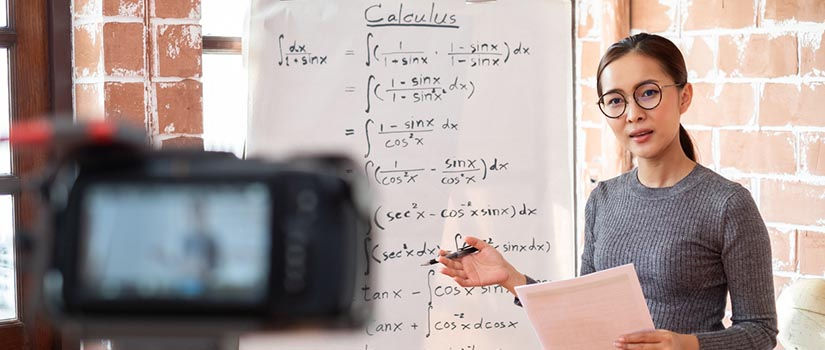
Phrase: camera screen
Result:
[193,242]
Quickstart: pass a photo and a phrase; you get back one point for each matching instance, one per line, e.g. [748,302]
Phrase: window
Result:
[8,277]
[25,93]
[224,76]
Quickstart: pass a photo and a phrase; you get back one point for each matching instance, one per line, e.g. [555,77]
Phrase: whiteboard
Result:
[460,115]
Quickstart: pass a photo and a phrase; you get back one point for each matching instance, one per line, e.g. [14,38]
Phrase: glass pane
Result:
[222,17]
[8,283]
[4,21]
[224,103]
[5,153]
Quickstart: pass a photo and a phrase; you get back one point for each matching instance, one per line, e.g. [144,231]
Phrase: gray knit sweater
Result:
[691,244]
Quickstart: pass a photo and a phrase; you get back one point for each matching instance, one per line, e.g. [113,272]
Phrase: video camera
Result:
[169,241]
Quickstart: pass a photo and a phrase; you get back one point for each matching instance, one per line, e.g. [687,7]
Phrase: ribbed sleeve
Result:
[746,257]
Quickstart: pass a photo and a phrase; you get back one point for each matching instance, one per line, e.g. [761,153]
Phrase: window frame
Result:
[231,45]
[28,36]
[8,38]
[11,330]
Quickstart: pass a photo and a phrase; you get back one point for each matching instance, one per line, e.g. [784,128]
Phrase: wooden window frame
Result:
[231,45]
[11,332]
[38,38]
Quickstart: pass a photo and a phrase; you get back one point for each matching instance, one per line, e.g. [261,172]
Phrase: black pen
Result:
[454,255]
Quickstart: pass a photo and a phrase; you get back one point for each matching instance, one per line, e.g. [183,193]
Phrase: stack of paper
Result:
[589,312]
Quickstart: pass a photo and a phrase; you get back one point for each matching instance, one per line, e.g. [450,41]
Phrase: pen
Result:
[454,255]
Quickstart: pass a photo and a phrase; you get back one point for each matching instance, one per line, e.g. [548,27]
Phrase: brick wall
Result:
[758,69]
[139,62]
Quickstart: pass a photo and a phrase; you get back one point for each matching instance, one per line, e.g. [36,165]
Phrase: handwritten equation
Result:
[452,171]
[383,217]
[456,322]
[422,252]
[406,134]
[478,54]
[295,54]
[420,89]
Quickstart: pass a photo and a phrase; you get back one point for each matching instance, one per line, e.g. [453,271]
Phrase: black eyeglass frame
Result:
[600,103]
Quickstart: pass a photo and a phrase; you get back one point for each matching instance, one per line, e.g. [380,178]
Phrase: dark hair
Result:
[669,57]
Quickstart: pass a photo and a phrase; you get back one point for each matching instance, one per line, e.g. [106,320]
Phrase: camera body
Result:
[203,238]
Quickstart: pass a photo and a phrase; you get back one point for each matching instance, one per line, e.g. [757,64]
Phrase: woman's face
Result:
[652,133]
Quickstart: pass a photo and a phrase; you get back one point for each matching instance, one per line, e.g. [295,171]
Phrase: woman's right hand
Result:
[486,267]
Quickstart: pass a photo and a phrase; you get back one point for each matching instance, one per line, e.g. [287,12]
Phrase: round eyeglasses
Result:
[647,96]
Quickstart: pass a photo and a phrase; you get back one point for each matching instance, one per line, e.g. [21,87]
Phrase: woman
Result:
[692,234]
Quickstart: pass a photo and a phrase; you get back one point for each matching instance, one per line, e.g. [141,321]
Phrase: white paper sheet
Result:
[460,129]
[589,312]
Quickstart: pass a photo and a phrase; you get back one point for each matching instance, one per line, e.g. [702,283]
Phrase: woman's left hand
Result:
[658,339]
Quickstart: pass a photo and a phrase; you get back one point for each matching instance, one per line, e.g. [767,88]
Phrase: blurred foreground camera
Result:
[170,241]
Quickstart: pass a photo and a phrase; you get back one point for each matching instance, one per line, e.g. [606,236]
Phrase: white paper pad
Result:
[589,312]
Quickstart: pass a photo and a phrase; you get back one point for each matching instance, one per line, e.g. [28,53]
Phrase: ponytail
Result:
[687,144]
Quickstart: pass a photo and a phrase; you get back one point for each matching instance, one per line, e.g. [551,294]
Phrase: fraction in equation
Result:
[297,54]
[462,171]
[418,89]
[400,57]
[410,133]
[485,54]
